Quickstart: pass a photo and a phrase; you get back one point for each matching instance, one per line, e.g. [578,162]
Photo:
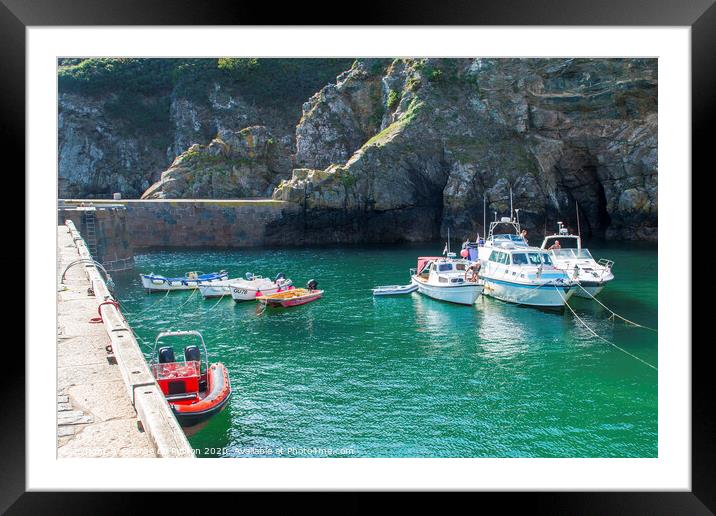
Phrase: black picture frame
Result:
[700,15]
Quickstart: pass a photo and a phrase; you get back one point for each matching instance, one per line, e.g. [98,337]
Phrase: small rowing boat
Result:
[155,282]
[394,290]
[293,297]
[194,389]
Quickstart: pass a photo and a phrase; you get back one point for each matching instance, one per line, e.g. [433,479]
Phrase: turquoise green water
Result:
[354,376]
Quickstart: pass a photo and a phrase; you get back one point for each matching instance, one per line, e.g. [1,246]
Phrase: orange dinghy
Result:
[194,389]
[292,297]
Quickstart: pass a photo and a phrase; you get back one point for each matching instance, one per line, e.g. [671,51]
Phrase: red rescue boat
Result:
[194,389]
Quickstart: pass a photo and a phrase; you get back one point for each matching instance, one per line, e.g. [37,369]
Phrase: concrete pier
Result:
[108,404]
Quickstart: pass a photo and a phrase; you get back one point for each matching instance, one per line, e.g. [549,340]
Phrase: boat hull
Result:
[159,284]
[240,294]
[461,294]
[216,399]
[396,290]
[543,296]
[592,288]
[292,301]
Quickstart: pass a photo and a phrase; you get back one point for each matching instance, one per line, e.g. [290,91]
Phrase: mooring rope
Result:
[614,314]
[181,306]
[150,306]
[602,338]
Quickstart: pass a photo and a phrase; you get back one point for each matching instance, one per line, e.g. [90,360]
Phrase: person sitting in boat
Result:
[556,245]
[523,234]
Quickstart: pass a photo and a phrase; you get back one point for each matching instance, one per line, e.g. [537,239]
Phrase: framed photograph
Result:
[434,251]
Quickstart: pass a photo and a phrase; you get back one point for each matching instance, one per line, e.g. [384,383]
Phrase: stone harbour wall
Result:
[199,223]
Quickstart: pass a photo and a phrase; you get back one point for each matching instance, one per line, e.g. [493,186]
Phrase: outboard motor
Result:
[166,355]
[192,354]
[312,284]
[249,276]
[279,276]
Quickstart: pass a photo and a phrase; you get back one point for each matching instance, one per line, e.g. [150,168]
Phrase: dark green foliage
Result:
[393,99]
[265,81]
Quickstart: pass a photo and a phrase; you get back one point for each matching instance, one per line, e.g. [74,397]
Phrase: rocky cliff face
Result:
[555,131]
[246,163]
[394,150]
[122,122]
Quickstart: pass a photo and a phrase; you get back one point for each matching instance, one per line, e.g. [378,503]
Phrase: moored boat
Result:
[568,254]
[447,279]
[292,297]
[245,289]
[156,282]
[526,276]
[194,389]
[394,290]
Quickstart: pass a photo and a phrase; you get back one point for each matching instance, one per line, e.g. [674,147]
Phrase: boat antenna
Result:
[484,214]
[517,214]
[448,242]
[511,210]
[579,232]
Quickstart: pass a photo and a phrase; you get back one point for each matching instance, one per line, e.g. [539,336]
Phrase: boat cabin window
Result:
[546,259]
[445,267]
[460,266]
[534,259]
[519,259]
[565,242]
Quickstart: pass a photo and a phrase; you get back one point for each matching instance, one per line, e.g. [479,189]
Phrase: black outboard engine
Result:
[192,354]
[312,284]
[279,276]
[166,355]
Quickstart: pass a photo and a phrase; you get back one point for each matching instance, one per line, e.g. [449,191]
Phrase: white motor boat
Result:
[526,276]
[252,287]
[447,279]
[568,254]
[517,273]
[155,282]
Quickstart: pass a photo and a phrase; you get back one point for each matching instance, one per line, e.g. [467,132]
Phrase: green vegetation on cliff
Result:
[264,81]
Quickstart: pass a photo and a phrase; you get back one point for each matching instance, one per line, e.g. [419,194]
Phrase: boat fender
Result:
[258,293]
[312,284]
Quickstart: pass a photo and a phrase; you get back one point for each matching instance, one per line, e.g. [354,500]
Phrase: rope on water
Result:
[614,314]
[181,306]
[150,306]
[602,338]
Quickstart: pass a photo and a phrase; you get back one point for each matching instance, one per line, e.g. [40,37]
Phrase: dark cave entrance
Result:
[581,182]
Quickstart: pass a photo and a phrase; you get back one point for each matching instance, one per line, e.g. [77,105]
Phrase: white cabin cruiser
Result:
[578,262]
[515,272]
[526,276]
[447,279]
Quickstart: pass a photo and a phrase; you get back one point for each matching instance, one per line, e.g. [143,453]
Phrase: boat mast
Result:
[511,211]
[484,215]
[579,231]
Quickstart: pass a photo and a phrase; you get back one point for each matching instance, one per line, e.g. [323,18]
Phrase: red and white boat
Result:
[292,297]
[194,389]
